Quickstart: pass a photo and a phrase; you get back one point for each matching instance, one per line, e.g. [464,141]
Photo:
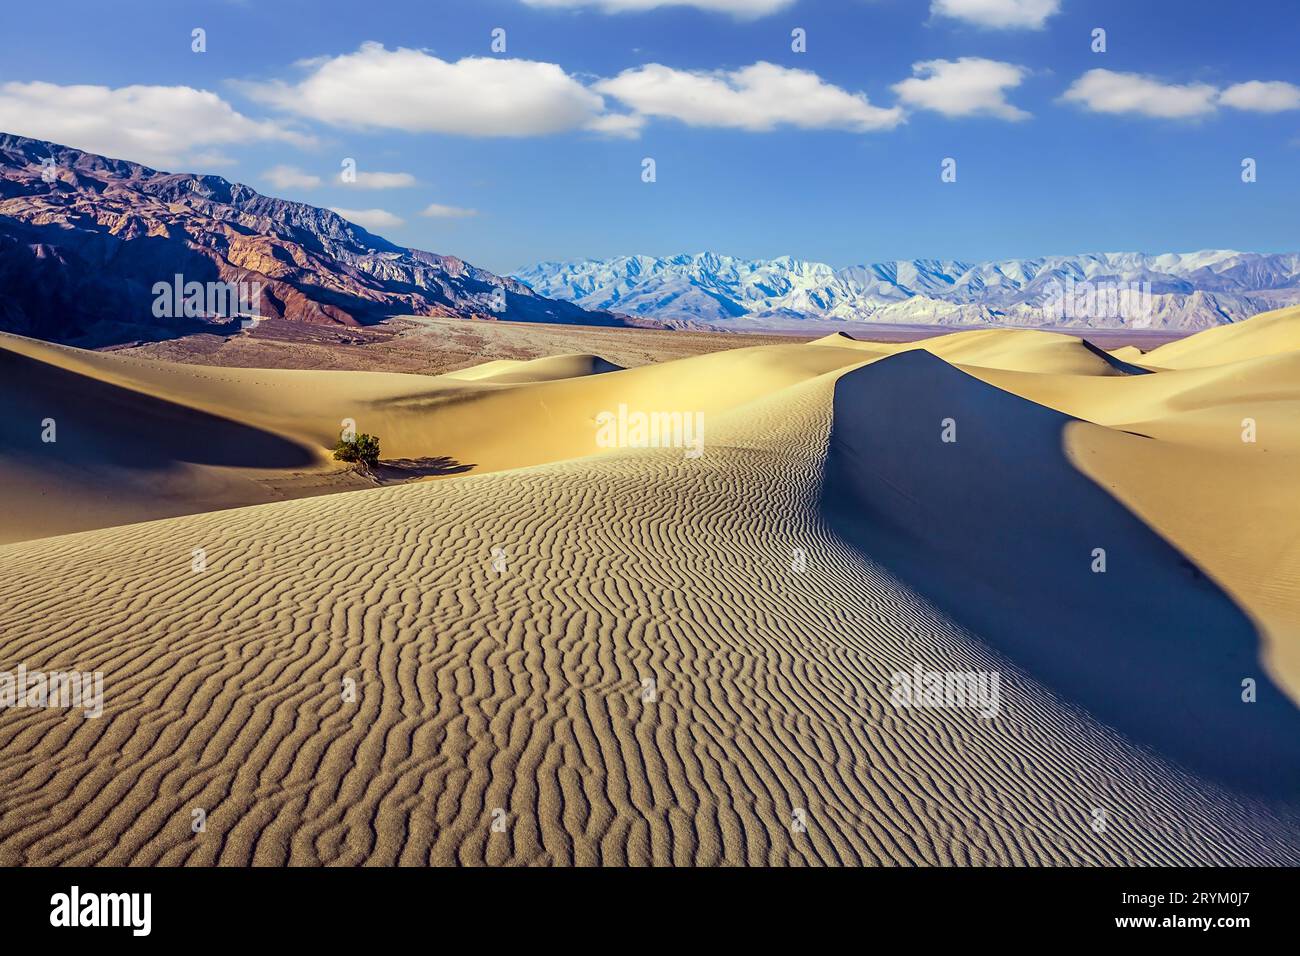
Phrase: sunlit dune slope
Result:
[160,439]
[1209,456]
[998,526]
[515,372]
[1268,334]
[638,657]
[499,626]
[1025,350]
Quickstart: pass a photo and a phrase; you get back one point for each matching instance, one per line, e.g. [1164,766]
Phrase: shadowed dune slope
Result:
[549,369]
[1208,457]
[1201,406]
[1115,362]
[517,692]
[79,452]
[509,420]
[1234,510]
[1022,350]
[538,411]
[1128,354]
[1003,532]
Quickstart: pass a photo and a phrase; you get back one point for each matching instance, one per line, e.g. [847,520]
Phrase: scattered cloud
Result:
[370,218]
[164,126]
[621,125]
[439,211]
[758,98]
[741,9]
[998,14]
[366,180]
[210,159]
[1262,97]
[970,86]
[1104,91]
[414,91]
[290,177]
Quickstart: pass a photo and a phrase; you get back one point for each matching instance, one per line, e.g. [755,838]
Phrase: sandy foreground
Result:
[514,645]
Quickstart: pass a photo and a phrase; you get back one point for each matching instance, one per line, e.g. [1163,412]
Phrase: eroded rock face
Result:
[84,239]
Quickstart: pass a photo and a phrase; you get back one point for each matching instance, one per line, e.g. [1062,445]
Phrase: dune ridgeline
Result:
[591,615]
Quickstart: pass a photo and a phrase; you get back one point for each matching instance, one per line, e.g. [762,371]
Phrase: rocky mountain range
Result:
[85,241]
[1102,290]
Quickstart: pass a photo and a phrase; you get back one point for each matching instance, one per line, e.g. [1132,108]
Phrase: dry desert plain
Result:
[510,645]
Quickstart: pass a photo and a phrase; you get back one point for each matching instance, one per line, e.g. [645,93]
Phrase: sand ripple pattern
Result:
[517,696]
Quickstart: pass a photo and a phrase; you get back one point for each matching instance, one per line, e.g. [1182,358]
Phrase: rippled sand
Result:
[565,654]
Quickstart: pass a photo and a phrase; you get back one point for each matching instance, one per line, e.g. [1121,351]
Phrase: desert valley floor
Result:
[510,645]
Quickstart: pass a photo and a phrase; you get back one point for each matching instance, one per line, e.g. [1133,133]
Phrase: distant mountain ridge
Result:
[84,239]
[1186,291]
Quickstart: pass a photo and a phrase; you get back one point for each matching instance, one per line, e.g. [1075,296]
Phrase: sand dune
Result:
[1268,334]
[1026,350]
[634,655]
[552,408]
[996,548]
[1128,353]
[552,368]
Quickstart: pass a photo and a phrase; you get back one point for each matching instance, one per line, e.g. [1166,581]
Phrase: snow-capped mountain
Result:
[1100,290]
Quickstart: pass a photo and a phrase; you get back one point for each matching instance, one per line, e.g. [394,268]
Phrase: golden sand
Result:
[573,654]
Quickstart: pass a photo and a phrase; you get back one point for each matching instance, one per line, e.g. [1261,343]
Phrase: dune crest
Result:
[553,368]
[1087,596]
[648,654]
[1271,333]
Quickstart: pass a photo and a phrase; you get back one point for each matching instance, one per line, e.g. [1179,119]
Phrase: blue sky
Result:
[537,153]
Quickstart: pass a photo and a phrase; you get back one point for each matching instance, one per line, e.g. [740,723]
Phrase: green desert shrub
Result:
[363,448]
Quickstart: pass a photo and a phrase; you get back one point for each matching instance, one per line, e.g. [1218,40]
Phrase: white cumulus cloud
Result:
[370,218]
[1104,91]
[1262,97]
[758,98]
[414,91]
[377,180]
[439,211]
[621,125]
[290,177]
[743,9]
[163,126]
[998,14]
[970,86]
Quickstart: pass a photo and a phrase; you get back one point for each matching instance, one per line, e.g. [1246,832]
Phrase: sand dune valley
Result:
[524,639]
